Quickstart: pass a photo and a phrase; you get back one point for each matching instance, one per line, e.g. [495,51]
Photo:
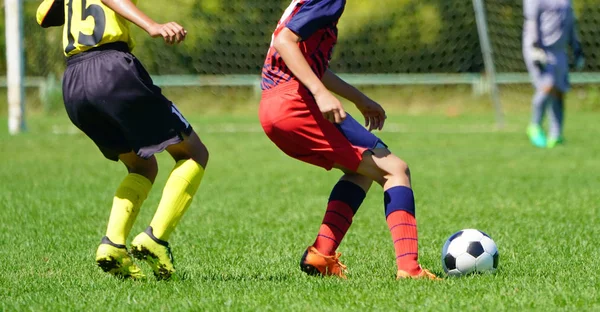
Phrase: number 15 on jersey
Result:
[86,22]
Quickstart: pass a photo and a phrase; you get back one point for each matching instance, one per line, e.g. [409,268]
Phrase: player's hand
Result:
[539,57]
[171,32]
[330,106]
[374,114]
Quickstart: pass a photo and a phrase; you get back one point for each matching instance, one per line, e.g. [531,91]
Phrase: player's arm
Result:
[374,114]
[171,32]
[286,44]
[338,86]
[312,16]
[531,30]
[532,40]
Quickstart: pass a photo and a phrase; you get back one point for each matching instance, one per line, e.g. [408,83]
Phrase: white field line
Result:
[64,130]
[389,128]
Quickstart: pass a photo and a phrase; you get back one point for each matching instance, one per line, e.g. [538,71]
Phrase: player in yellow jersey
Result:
[109,96]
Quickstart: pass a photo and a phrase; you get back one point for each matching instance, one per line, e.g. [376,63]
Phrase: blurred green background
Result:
[383,36]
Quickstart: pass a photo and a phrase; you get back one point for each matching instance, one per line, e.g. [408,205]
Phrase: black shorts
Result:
[110,96]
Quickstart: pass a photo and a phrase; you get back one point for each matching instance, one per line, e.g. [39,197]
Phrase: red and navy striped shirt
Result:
[315,22]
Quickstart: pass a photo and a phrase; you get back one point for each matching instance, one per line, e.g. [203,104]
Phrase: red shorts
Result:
[292,120]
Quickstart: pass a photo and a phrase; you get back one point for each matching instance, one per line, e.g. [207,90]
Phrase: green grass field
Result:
[239,245]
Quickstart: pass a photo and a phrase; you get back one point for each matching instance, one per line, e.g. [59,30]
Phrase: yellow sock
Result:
[176,198]
[126,205]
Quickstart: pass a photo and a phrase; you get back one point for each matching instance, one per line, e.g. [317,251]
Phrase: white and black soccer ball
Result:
[469,251]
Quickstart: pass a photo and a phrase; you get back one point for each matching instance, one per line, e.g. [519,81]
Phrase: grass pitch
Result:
[239,245]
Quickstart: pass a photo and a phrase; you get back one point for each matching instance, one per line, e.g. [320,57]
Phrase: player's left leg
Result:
[152,245]
[393,174]
[191,157]
[556,99]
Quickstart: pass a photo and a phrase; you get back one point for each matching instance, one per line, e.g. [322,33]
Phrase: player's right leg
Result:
[346,197]
[112,255]
[191,157]
[542,79]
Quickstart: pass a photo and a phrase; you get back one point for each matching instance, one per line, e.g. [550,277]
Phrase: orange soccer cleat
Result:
[315,263]
[425,274]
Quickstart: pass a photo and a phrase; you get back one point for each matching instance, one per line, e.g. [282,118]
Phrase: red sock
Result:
[336,223]
[403,227]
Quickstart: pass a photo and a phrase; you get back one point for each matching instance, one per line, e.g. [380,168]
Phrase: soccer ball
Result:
[469,251]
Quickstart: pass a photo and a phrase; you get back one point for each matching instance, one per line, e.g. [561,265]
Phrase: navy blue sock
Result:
[399,198]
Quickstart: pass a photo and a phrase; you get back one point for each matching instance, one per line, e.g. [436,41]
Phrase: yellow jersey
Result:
[89,23]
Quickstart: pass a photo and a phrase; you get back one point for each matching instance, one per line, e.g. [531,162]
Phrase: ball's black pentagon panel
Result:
[496,259]
[485,234]
[475,249]
[450,262]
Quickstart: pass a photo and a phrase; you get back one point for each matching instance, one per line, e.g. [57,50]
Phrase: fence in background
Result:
[383,42]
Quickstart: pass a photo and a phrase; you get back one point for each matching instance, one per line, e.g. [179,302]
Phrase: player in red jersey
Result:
[302,117]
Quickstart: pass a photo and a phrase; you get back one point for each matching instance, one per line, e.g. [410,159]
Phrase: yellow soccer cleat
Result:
[425,274]
[155,252]
[114,259]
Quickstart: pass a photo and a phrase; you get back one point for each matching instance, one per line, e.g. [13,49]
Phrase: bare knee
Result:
[202,156]
[190,148]
[407,171]
[144,167]
[394,172]
[198,154]
[385,168]
[397,172]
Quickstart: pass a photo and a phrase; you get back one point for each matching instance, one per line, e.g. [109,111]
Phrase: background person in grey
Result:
[549,29]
